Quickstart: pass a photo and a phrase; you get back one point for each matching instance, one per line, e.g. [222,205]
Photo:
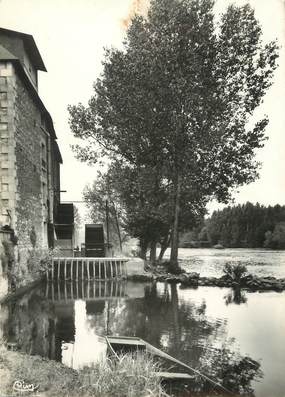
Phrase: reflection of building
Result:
[30,157]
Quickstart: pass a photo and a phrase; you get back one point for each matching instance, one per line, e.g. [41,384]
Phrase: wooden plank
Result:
[126,341]
[174,375]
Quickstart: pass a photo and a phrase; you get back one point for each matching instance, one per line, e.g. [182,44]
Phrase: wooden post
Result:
[116,269]
[88,269]
[58,291]
[105,273]
[82,269]
[65,292]
[71,290]
[111,266]
[71,270]
[77,269]
[94,270]
[52,270]
[58,269]
[99,262]
[88,287]
[64,269]
[112,285]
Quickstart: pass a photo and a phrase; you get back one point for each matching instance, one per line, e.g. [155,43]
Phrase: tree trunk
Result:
[118,229]
[164,246]
[143,249]
[152,256]
[175,233]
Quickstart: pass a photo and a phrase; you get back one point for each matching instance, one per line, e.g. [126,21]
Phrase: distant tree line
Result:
[248,225]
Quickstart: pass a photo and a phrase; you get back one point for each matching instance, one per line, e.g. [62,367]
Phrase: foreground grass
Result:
[130,377]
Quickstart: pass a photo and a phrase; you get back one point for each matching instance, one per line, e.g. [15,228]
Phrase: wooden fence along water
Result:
[74,269]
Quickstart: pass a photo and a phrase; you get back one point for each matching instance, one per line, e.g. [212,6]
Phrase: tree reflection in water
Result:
[180,327]
[183,330]
[236,295]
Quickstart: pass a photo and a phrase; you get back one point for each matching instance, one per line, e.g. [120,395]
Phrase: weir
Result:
[87,290]
[74,269]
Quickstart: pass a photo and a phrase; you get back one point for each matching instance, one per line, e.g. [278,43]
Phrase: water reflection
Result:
[236,295]
[67,323]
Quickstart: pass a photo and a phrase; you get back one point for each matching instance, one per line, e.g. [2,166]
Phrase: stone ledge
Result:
[193,280]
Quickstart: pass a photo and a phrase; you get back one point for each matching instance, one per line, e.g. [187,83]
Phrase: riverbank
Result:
[49,378]
[192,280]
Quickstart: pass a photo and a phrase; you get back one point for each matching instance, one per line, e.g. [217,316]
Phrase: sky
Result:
[71,35]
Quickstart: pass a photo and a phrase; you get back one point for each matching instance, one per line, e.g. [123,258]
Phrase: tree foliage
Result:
[178,98]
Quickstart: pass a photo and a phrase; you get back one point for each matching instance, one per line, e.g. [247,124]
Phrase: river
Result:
[210,262]
[235,337]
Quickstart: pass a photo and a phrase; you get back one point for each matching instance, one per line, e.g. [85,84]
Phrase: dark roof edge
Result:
[57,152]
[6,55]
[31,46]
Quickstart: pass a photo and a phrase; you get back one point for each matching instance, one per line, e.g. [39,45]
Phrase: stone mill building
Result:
[29,154]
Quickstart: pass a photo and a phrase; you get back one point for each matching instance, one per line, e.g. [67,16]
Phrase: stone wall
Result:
[28,136]
[25,181]
[8,169]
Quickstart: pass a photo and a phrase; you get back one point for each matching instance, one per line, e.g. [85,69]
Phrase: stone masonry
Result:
[29,158]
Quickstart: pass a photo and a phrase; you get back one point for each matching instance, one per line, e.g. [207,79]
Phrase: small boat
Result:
[171,369]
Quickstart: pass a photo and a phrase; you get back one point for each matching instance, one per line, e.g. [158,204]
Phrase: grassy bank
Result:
[128,378]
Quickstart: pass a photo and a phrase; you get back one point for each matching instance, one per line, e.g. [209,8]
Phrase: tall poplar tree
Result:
[179,97]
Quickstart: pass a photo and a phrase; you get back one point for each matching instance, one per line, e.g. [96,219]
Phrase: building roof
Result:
[5,55]
[30,46]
